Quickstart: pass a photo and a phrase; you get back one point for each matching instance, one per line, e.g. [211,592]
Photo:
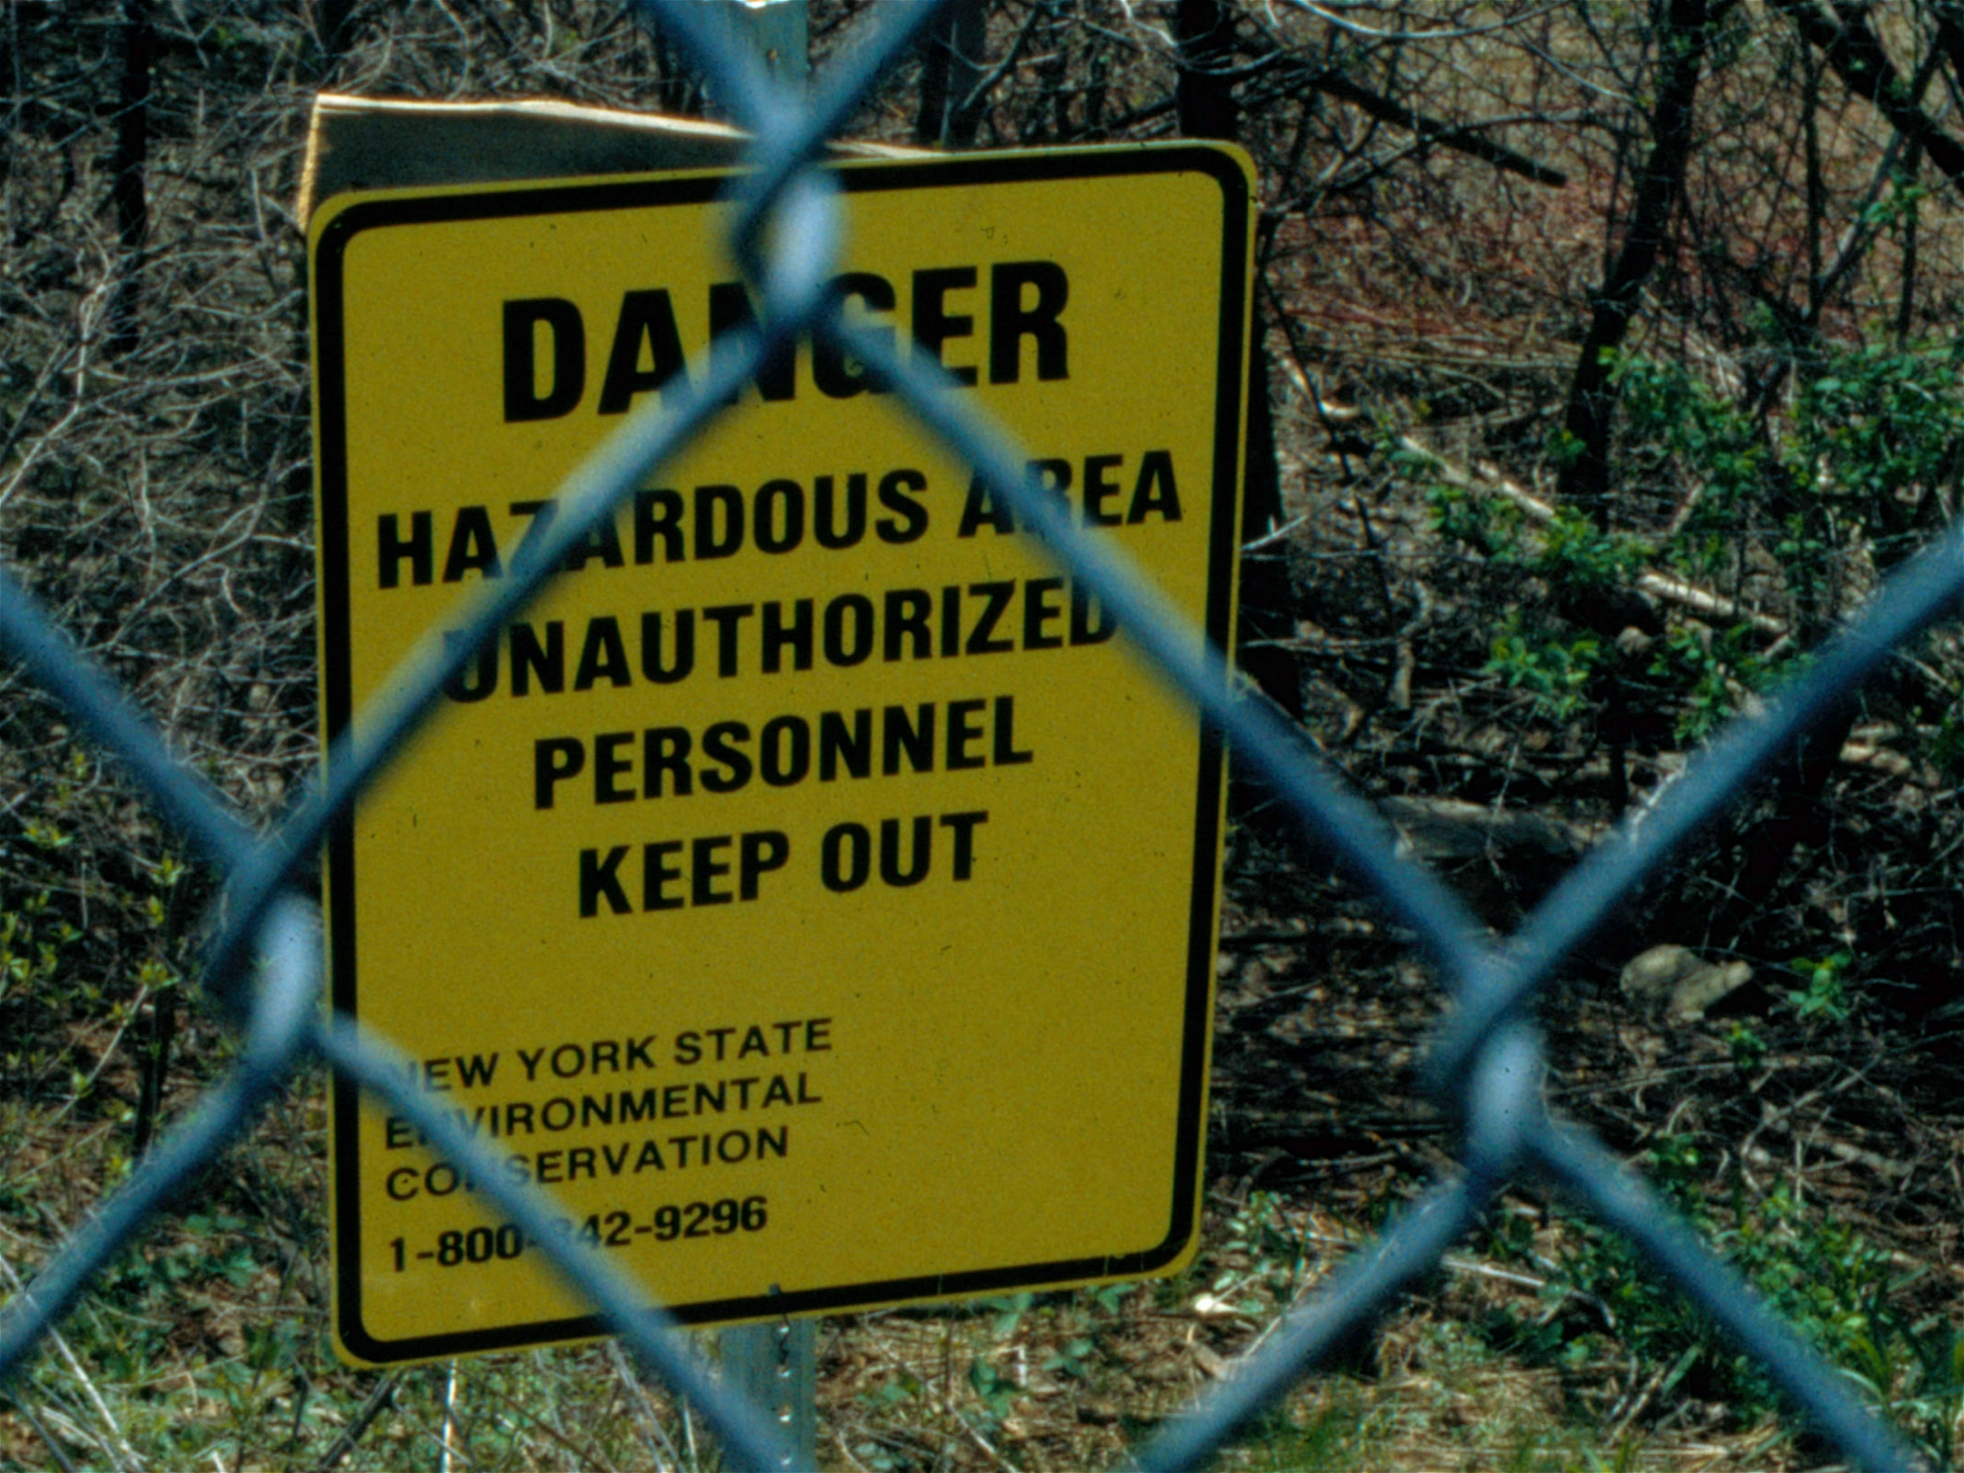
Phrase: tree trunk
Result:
[128,169]
[336,19]
[951,68]
[1592,392]
[1205,32]
[1208,109]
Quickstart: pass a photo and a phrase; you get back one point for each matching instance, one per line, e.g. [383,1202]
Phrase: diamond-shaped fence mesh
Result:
[264,962]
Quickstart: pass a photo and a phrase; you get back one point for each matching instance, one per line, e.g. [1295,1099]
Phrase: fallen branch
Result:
[1487,479]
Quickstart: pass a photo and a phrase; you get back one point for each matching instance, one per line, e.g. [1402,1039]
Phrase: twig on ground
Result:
[41,1431]
[115,1446]
[665,1455]
[379,1400]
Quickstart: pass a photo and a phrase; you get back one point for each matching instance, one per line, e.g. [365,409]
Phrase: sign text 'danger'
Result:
[547,360]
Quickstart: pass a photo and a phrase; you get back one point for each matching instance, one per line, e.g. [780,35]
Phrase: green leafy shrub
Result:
[1556,671]
[1825,1278]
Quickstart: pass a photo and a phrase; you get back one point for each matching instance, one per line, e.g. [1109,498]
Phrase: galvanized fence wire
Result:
[263,966]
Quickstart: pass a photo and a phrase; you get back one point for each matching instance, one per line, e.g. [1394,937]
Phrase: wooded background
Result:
[1606,361]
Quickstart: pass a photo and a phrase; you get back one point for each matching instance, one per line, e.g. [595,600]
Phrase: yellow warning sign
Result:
[811,890]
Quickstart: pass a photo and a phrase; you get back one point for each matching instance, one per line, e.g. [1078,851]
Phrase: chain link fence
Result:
[264,963]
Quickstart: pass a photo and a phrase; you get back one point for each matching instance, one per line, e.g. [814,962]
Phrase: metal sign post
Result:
[780,30]
[776,1367]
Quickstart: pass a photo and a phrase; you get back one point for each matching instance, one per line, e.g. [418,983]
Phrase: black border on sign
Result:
[326,264]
